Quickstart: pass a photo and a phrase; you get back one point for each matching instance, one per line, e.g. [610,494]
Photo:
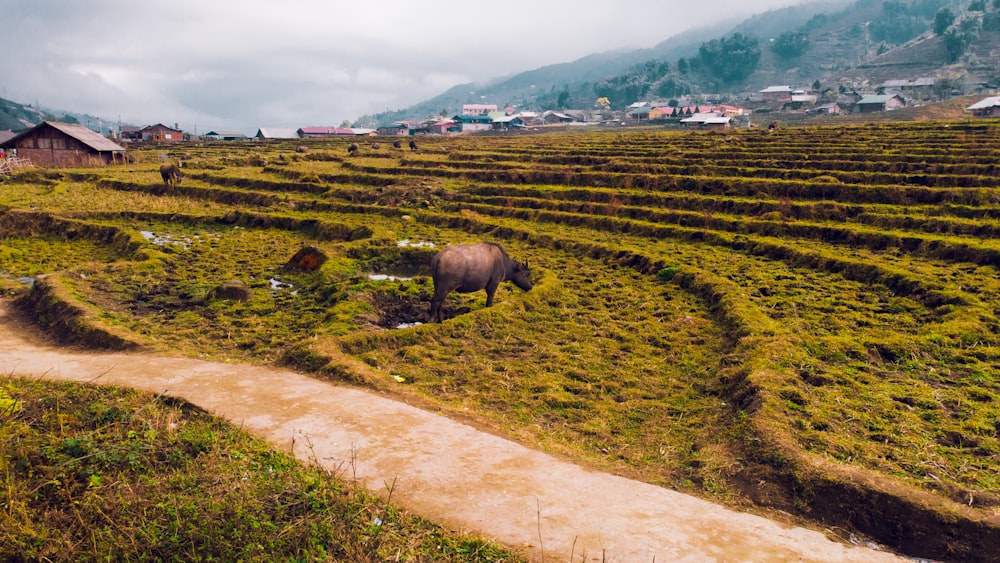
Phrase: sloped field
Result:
[803,318]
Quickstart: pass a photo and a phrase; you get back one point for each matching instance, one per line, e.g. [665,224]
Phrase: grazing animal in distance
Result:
[397,144]
[353,149]
[171,174]
[466,268]
[376,146]
[413,145]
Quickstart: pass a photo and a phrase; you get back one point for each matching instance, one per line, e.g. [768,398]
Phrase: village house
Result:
[708,120]
[52,143]
[911,85]
[225,136]
[470,123]
[507,122]
[660,112]
[800,101]
[639,113]
[265,133]
[776,94]
[161,133]
[826,109]
[400,129]
[129,133]
[478,109]
[872,104]
[530,117]
[445,127]
[988,107]
[553,117]
[321,132]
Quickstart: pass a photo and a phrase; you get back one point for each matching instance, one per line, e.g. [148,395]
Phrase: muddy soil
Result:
[444,470]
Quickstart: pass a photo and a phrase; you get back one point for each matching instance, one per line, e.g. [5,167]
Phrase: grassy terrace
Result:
[804,319]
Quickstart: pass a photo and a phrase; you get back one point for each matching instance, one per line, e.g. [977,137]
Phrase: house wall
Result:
[894,103]
[776,96]
[163,134]
[467,127]
[51,147]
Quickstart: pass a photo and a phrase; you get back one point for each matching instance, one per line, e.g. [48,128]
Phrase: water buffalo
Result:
[470,267]
[397,144]
[376,146]
[353,149]
[413,145]
[171,174]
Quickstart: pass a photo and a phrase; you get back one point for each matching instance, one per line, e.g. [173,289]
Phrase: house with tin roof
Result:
[277,133]
[225,136]
[885,102]
[161,133]
[52,143]
[987,107]
[776,94]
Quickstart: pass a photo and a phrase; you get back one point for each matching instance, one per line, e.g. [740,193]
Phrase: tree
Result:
[817,86]
[790,44]
[977,6]
[563,100]
[943,19]
[895,24]
[730,58]
[345,123]
[682,65]
[961,34]
[673,103]
[943,87]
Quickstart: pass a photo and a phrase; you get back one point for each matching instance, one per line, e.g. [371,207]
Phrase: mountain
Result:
[855,45]
[18,117]
[539,88]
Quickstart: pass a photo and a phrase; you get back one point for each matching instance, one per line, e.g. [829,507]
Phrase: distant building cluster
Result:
[53,143]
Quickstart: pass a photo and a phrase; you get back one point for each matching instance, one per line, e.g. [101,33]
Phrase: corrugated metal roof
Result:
[771,89]
[92,139]
[161,125]
[992,101]
[875,99]
[277,133]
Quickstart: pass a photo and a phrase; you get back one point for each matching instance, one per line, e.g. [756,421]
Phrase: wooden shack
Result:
[52,143]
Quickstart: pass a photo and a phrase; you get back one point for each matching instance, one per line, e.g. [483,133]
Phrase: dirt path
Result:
[444,470]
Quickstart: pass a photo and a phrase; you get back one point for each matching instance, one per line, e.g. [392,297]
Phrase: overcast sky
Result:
[241,65]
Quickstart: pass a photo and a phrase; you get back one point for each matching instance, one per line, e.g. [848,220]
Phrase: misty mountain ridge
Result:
[841,45]
[853,45]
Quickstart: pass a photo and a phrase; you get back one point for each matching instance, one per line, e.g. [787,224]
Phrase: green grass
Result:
[91,473]
[723,313]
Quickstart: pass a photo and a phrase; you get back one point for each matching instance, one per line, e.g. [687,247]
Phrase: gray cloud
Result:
[247,64]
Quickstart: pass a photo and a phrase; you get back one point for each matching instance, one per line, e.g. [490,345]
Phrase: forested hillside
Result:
[856,45]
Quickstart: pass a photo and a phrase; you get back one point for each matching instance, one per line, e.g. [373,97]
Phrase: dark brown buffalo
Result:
[471,267]
[413,145]
[171,174]
[397,144]
[353,149]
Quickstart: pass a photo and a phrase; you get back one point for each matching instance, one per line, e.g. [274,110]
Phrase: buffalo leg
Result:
[490,291]
[436,303]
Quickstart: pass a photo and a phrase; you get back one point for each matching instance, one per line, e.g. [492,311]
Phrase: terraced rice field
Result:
[804,319]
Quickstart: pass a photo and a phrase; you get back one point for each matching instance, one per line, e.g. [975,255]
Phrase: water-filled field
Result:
[805,319]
